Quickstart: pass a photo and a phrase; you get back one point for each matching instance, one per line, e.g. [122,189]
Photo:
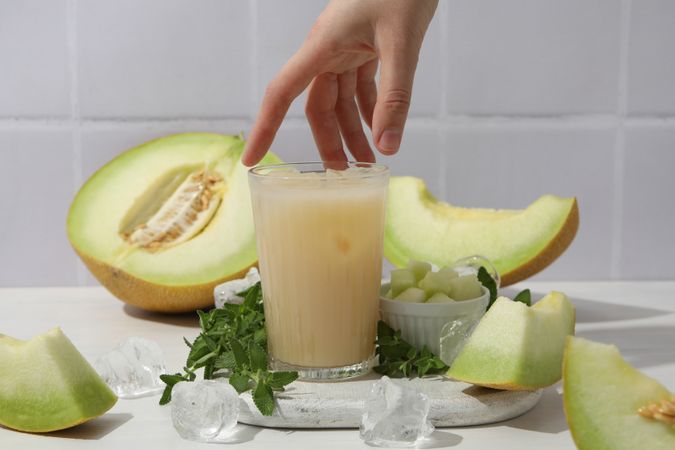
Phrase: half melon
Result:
[163,223]
[519,243]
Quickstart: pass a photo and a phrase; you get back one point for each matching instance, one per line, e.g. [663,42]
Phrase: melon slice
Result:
[602,396]
[519,243]
[515,346]
[47,385]
[165,222]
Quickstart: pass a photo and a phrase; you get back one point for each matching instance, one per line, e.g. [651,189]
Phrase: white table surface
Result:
[639,317]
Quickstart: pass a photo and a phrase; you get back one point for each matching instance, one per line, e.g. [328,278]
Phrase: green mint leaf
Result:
[252,296]
[240,382]
[245,292]
[225,361]
[204,360]
[232,344]
[197,351]
[210,343]
[241,359]
[203,319]
[423,367]
[486,280]
[397,358]
[166,395]
[257,356]
[391,370]
[384,330]
[524,296]
[170,380]
[260,336]
[277,380]
[411,353]
[437,364]
[406,368]
[230,309]
[387,340]
[264,399]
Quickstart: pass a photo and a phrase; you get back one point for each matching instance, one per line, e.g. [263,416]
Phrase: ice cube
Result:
[227,292]
[454,335]
[132,369]
[395,415]
[471,264]
[204,410]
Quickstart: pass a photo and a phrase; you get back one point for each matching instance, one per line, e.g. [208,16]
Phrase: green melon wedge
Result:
[519,243]
[47,385]
[515,346]
[602,395]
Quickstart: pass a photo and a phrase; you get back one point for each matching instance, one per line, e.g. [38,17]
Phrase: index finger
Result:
[293,78]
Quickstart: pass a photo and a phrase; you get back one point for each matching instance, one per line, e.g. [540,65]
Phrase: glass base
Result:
[325,374]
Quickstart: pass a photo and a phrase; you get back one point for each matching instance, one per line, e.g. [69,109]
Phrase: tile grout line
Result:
[451,120]
[620,142]
[71,8]
[253,62]
[443,107]
[445,66]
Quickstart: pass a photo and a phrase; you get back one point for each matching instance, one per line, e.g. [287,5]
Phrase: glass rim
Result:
[379,169]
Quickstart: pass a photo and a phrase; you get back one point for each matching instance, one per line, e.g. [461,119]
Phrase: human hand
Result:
[340,58]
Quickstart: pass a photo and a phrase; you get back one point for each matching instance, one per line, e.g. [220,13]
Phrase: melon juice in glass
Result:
[319,234]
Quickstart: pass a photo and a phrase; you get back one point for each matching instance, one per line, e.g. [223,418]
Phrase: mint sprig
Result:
[489,283]
[232,344]
[399,359]
[524,296]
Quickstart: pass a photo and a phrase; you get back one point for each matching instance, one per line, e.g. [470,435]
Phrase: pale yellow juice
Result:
[320,255]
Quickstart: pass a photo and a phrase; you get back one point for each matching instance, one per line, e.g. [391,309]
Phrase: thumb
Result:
[393,98]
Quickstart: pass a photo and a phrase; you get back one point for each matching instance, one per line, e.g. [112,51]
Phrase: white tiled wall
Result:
[512,100]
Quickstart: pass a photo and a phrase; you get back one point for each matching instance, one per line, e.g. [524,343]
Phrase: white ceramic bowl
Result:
[422,323]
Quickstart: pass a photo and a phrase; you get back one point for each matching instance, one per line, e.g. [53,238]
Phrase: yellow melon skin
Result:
[550,253]
[155,297]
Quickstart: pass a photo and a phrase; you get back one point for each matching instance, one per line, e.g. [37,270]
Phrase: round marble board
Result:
[340,404]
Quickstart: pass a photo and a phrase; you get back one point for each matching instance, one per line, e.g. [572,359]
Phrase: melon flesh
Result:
[602,394]
[401,279]
[47,385]
[519,243]
[412,294]
[515,346]
[131,188]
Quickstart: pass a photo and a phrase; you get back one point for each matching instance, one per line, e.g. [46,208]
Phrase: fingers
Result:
[366,90]
[282,90]
[393,98]
[320,111]
[349,120]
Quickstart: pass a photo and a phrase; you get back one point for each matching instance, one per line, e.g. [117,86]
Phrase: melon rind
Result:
[179,278]
[519,243]
[601,396]
[517,347]
[47,385]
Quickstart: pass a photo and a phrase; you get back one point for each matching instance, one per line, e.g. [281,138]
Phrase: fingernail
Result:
[390,140]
